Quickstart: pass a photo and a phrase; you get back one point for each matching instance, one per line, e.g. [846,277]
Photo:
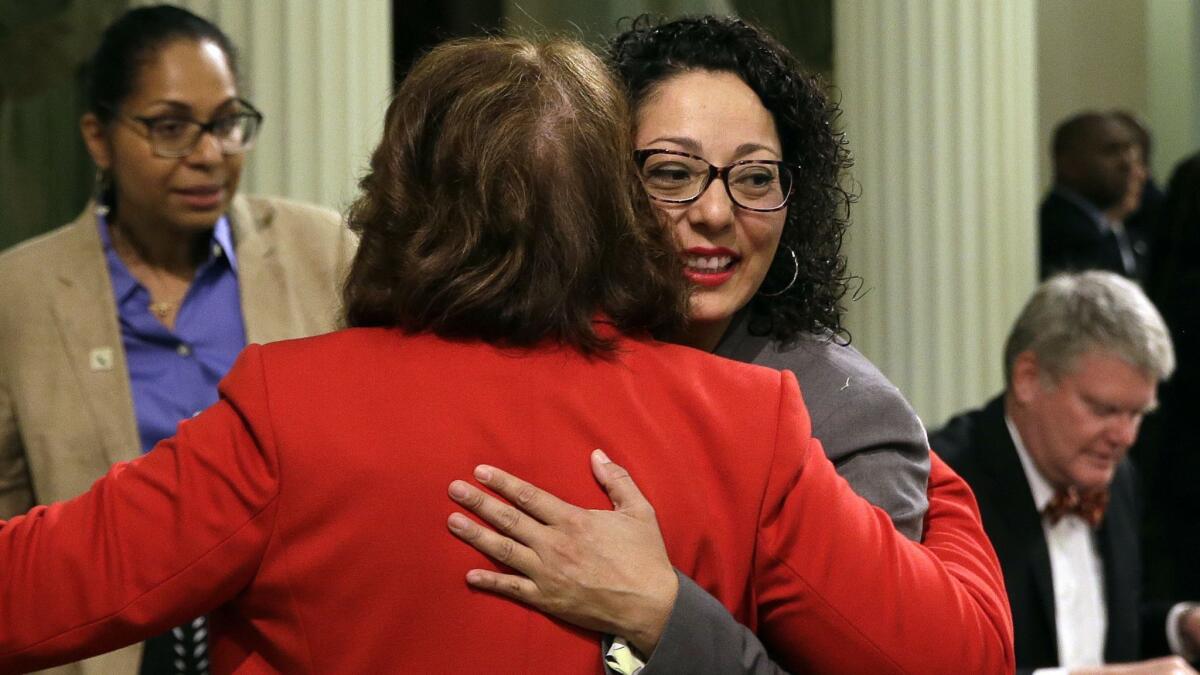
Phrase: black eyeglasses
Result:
[173,135]
[677,177]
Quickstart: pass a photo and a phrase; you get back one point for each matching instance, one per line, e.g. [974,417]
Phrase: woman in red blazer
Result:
[509,277]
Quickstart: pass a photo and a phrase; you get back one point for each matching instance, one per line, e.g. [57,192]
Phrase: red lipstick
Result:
[709,266]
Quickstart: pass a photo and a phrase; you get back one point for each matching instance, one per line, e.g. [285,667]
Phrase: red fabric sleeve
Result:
[155,542]
[839,590]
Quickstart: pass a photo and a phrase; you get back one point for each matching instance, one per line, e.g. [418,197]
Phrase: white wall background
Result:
[1139,55]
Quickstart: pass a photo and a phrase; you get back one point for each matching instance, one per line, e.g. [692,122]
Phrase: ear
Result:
[95,137]
[1027,378]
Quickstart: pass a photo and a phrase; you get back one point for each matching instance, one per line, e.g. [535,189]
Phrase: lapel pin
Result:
[101,358]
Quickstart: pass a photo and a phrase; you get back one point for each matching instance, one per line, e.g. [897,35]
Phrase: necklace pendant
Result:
[161,309]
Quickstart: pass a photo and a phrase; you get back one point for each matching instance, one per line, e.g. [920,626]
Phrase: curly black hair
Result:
[652,51]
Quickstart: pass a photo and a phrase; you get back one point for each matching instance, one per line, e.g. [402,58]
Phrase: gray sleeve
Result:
[702,638]
[879,446]
[868,430]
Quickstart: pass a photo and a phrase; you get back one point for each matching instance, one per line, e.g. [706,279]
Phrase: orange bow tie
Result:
[1090,506]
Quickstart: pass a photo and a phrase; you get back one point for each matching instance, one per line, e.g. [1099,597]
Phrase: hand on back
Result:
[606,571]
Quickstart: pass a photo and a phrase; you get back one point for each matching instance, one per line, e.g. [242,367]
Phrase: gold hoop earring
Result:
[795,276]
[102,191]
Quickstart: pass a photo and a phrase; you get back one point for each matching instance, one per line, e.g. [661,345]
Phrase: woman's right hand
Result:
[606,571]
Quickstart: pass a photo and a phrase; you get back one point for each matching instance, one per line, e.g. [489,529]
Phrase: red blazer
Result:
[306,512]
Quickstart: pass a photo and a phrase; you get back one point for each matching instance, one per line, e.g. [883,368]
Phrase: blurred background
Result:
[948,105]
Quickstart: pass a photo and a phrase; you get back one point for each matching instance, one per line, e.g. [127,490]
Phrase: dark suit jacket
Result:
[1071,240]
[307,511]
[1167,457]
[977,445]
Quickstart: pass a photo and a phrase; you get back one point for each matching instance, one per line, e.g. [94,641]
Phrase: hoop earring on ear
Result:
[101,191]
[795,276]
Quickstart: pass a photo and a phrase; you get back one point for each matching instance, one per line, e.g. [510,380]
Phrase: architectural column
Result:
[939,100]
[321,72]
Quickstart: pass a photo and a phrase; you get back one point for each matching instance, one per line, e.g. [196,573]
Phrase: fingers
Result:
[492,544]
[509,585]
[505,518]
[524,495]
[616,481]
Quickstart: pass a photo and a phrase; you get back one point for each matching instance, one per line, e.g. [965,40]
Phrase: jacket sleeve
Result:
[839,590]
[702,638]
[868,430]
[887,462]
[153,543]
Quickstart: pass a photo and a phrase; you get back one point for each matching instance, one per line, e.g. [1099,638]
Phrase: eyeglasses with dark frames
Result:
[676,177]
[173,135]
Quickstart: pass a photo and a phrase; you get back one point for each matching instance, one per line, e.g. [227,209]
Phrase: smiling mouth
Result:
[714,264]
[709,270]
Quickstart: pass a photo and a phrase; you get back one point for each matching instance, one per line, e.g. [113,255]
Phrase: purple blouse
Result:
[173,374]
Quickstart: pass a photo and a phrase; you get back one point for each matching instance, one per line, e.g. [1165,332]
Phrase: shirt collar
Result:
[124,283]
[223,237]
[1042,491]
[1086,206]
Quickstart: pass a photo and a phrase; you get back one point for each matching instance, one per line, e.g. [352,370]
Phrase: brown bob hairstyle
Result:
[503,204]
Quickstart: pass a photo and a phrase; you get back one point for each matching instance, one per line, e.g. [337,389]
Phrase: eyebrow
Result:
[180,105]
[747,148]
[1145,410]
[693,146]
[688,144]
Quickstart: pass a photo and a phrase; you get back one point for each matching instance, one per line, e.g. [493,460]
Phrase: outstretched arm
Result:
[153,543]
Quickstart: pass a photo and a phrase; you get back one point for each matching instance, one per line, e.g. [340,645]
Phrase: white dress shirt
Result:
[1076,572]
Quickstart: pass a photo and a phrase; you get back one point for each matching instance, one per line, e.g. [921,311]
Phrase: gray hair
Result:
[1073,313]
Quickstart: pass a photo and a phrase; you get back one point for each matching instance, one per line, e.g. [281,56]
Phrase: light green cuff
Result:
[621,658]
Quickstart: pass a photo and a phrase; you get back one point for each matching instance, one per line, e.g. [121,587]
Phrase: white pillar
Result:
[939,100]
[321,72]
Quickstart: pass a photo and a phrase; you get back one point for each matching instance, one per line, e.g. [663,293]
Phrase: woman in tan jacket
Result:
[118,325]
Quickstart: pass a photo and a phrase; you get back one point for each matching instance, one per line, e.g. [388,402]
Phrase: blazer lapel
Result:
[738,343]
[259,273]
[1011,489]
[86,314]
[1117,541]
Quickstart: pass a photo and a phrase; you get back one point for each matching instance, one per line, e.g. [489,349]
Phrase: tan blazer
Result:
[66,411]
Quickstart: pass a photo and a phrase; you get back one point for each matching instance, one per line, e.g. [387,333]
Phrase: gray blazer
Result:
[876,442]
[869,432]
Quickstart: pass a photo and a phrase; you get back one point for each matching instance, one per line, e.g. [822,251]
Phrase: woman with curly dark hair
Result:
[737,148]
